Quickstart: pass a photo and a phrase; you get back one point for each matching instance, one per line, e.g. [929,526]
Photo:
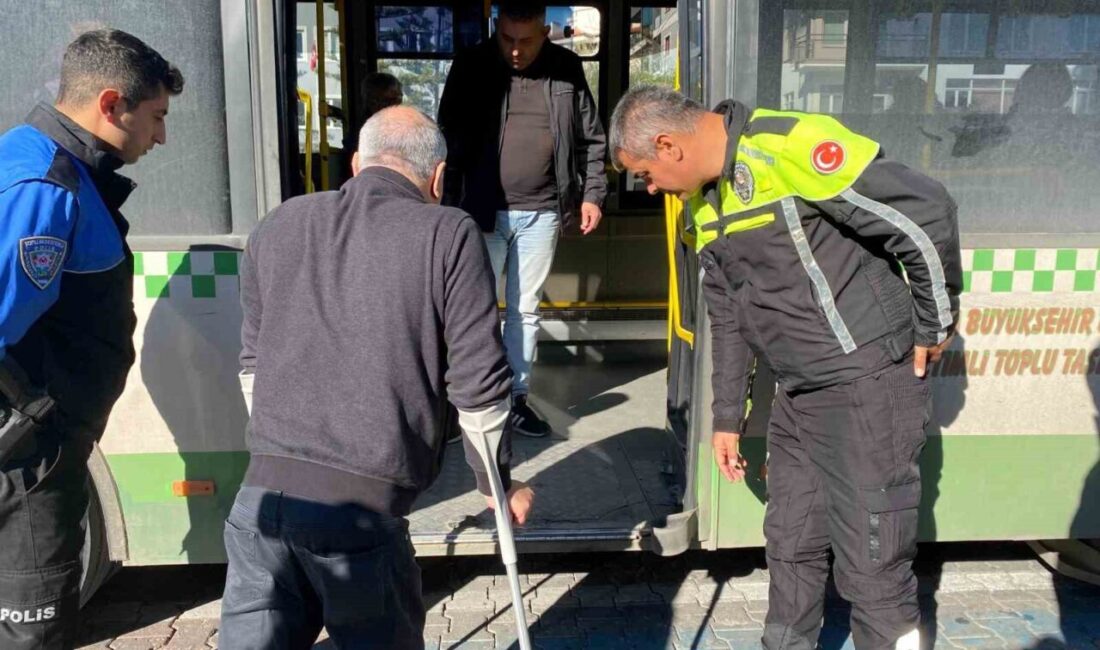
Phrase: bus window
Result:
[814,49]
[996,104]
[313,44]
[184,186]
[654,41]
[653,44]
[416,45]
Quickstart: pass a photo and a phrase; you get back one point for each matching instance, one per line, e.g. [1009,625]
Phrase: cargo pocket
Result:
[891,522]
[48,596]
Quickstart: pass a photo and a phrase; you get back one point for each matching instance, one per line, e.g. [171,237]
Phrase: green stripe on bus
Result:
[994,487]
[165,529]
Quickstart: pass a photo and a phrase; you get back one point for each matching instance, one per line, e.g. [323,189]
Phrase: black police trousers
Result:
[297,565]
[43,498]
[843,474]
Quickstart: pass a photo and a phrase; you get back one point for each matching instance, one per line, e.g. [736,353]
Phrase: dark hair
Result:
[110,58]
[522,10]
[375,92]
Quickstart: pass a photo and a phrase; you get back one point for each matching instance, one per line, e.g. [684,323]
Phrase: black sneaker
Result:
[454,436]
[525,421]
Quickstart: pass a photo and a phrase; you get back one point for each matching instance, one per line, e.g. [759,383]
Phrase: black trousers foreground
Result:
[844,474]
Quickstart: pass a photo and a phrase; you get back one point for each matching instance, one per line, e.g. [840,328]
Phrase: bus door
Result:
[996,100]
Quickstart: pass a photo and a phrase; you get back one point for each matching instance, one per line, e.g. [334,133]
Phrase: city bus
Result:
[995,99]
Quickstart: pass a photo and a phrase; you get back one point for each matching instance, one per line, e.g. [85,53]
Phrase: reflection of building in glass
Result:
[575,28]
[814,50]
[980,60]
[654,39]
[415,29]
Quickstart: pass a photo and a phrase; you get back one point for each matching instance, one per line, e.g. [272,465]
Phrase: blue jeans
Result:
[297,565]
[522,245]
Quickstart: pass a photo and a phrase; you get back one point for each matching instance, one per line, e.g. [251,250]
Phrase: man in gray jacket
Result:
[369,314]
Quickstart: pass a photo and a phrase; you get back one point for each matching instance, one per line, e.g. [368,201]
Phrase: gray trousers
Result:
[297,565]
[844,474]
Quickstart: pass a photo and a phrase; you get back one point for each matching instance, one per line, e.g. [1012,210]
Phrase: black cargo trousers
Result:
[844,474]
[43,499]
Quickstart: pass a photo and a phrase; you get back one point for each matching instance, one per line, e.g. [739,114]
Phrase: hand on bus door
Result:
[520,498]
[922,356]
[590,217]
[727,453]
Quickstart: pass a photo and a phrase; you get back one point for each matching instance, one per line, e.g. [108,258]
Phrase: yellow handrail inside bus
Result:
[674,208]
[304,97]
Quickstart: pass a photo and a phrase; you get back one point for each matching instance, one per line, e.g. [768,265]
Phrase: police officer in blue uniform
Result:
[66,314]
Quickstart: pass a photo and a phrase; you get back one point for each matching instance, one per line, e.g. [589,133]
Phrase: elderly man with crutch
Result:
[369,316]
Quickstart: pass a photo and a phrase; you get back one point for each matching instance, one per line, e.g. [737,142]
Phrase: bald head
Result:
[403,139]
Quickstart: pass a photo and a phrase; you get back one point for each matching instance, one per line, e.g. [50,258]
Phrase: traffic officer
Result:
[66,315]
[806,235]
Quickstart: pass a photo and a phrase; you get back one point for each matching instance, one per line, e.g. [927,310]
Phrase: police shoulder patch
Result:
[42,258]
[743,182]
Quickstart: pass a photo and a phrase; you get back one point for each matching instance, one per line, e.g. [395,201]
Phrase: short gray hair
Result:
[644,113]
[405,137]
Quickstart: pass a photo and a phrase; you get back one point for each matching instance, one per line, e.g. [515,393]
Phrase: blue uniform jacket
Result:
[66,312]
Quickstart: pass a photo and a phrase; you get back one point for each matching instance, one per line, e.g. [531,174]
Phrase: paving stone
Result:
[595,595]
[482,605]
[635,595]
[121,612]
[146,643]
[598,613]
[756,606]
[539,605]
[192,634]
[698,639]
[732,615]
[604,639]
[558,643]
[210,610]
[638,641]
[739,639]
[1041,622]
[688,616]
[752,592]
[469,644]
[1013,631]
[467,594]
[469,625]
[961,626]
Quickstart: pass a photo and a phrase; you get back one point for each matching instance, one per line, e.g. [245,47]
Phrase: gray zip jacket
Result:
[369,316]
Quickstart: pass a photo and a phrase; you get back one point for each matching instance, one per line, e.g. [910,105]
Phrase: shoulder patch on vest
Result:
[743,182]
[41,258]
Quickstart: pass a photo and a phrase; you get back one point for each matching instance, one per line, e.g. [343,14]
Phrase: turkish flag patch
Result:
[828,157]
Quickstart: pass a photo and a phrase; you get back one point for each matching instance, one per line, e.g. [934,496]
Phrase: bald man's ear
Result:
[436,185]
[355,168]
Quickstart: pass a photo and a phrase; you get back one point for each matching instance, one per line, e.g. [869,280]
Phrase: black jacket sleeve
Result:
[591,141]
[733,359]
[914,218]
[452,116]
[478,376]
